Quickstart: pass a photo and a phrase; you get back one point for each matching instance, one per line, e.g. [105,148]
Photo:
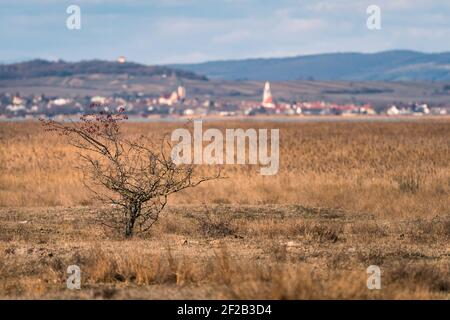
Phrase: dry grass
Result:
[300,256]
[388,169]
[348,195]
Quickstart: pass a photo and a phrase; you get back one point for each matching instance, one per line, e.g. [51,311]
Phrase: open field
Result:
[240,252]
[392,170]
[347,195]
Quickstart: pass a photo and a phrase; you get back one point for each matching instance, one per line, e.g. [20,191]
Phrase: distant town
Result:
[178,104]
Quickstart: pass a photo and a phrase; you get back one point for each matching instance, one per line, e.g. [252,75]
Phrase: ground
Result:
[243,252]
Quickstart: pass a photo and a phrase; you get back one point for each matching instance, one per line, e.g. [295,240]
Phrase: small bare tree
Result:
[132,175]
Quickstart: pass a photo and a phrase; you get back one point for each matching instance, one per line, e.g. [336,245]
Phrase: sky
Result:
[188,31]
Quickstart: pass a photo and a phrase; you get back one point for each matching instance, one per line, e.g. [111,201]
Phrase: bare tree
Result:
[132,175]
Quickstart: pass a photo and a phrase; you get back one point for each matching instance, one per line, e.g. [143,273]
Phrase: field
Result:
[348,195]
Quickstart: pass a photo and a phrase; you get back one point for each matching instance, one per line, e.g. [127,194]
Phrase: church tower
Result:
[267,101]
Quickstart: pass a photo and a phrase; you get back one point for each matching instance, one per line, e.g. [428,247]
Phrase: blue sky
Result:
[179,31]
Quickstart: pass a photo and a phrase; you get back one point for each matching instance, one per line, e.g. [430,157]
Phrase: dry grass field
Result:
[347,195]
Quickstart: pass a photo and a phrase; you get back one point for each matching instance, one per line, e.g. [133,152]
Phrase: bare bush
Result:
[409,183]
[135,176]
[215,224]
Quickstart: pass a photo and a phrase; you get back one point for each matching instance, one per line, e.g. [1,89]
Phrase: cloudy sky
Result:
[178,31]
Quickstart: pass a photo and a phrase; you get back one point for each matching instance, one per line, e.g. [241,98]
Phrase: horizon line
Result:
[24,60]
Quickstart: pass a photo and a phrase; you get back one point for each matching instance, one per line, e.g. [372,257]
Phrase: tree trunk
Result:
[134,211]
[129,228]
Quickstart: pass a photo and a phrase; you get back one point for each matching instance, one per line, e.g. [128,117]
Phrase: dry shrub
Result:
[176,225]
[28,278]
[430,230]
[319,212]
[446,228]
[269,228]
[282,228]
[109,267]
[372,229]
[5,234]
[409,183]
[276,250]
[373,256]
[434,277]
[324,233]
[215,223]
[340,259]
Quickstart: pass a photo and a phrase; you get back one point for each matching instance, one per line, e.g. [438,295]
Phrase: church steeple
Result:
[267,101]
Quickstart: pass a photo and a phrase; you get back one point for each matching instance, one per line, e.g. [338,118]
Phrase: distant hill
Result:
[44,68]
[399,65]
